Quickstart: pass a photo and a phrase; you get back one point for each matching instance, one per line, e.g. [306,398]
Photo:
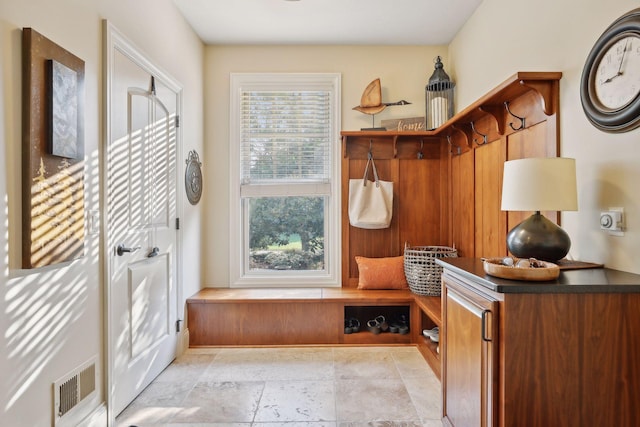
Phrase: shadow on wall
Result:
[45,313]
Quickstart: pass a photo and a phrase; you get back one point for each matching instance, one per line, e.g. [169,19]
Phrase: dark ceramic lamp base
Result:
[537,237]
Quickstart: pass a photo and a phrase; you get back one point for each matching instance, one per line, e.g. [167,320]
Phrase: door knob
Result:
[121,249]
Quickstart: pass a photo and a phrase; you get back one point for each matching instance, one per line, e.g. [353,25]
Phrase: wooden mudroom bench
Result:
[309,316]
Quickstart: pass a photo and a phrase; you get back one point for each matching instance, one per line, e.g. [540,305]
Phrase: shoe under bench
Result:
[309,316]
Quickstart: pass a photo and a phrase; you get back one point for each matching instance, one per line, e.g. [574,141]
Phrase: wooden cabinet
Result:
[560,353]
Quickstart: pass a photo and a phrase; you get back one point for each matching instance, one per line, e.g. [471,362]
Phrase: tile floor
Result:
[291,387]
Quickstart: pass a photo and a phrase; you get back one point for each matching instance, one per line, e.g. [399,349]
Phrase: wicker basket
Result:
[421,270]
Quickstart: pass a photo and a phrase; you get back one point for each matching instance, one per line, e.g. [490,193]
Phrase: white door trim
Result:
[114,41]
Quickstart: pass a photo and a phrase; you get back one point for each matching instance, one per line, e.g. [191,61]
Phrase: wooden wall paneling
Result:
[445,204]
[357,241]
[345,259]
[490,221]
[373,243]
[418,182]
[463,203]
[420,196]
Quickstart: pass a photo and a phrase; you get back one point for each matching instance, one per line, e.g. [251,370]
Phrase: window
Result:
[285,187]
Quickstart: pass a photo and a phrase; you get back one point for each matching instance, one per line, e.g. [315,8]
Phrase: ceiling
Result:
[327,22]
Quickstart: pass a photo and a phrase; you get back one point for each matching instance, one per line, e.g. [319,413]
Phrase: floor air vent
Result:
[73,388]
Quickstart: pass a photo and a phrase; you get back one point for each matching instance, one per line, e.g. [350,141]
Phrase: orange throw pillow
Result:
[381,273]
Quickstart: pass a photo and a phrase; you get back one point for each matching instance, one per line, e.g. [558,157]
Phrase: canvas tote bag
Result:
[370,202]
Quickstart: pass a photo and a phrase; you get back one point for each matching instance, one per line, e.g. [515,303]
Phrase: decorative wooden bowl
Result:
[495,267]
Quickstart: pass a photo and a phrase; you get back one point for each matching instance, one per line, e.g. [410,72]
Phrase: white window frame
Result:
[239,274]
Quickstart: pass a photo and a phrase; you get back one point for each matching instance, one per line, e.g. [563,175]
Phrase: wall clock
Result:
[193,178]
[610,82]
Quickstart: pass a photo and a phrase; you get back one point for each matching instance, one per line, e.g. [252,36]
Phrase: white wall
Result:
[505,36]
[403,72]
[51,319]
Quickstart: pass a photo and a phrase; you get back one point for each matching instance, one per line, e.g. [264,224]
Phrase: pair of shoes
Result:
[433,334]
[377,325]
[351,325]
[399,326]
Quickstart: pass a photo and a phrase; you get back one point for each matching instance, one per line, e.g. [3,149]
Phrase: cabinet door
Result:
[470,337]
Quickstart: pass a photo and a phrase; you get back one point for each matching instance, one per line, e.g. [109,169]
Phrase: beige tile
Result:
[411,364]
[376,362]
[272,364]
[373,400]
[163,394]
[203,425]
[382,424]
[284,401]
[221,402]
[188,367]
[145,416]
[297,424]
[426,397]
[203,350]
[159,402]
[291,387]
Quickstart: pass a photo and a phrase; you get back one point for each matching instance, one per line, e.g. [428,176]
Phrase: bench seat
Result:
[306,316]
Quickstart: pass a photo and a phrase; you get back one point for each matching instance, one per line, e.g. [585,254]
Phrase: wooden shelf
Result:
[429,351]
[389,133]
[518,84]
[545,86]
[366,337]
[431,307]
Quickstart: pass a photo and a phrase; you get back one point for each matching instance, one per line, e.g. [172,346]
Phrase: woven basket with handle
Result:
[420,268]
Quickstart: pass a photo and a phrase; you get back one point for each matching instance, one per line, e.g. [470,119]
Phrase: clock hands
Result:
[624,51]
[619,73]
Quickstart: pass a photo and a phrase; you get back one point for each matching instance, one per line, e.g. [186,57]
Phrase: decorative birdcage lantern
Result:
[439,97]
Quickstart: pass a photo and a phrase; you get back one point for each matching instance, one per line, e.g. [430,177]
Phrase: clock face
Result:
[617,78]
[610,81]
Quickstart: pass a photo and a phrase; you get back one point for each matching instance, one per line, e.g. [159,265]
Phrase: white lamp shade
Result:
[540,184]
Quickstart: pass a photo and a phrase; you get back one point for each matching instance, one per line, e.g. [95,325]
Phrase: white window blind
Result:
[285,187]
[285,136]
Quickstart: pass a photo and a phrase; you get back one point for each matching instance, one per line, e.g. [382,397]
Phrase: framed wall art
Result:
[52,153]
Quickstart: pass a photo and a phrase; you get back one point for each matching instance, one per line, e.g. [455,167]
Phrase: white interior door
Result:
[141,226]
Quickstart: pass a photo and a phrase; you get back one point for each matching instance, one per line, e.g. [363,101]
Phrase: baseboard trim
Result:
[97,418]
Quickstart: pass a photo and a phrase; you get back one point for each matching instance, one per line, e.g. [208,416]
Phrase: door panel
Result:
[149,310]
[141,208]
[470,329]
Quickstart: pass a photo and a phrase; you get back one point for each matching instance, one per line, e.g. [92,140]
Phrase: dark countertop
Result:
[590,280]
